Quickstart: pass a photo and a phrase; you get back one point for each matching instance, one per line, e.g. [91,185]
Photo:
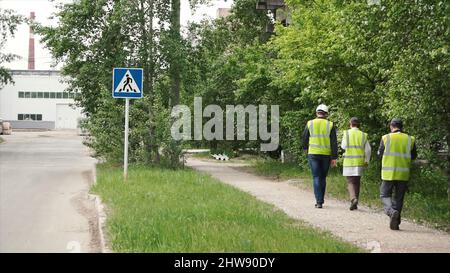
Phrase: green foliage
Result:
[106,130]
[278,170]
[215,51]
[160,210]
[9,21]
[170,149]
[291,130]
[370,61]
[373,61]
[91,39]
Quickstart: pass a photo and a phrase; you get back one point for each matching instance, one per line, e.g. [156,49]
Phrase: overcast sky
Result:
[44,8]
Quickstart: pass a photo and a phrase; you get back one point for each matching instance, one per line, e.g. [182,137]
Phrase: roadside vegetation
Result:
[161,210]
[372,59]
[1,140]
[426,201]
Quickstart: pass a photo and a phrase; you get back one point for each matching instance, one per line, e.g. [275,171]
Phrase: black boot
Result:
[395,220]
[354,204]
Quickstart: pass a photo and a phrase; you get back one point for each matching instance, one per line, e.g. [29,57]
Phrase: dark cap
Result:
[396,122]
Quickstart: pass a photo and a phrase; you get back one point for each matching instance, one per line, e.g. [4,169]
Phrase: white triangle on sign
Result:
[127,84]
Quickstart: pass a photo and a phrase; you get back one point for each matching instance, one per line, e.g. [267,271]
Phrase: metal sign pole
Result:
[127,83]
[125,152]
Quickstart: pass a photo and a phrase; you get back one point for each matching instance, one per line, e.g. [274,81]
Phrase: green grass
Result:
[1,140]
[161,210]
[426,201]
[276,170]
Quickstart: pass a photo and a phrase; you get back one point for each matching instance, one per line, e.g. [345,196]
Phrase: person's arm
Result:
[306,139]
[334,145]
[367,152]
[414,152]
[344,142]
[381,148]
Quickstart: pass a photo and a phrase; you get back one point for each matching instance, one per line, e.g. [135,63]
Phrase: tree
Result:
[8,26]
[91,39]
[214,50]
[375,60]
[175,39]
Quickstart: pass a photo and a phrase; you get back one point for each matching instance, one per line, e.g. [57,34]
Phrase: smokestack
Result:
[31,45]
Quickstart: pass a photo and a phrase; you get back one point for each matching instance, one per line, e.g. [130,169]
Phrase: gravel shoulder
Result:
[365,227]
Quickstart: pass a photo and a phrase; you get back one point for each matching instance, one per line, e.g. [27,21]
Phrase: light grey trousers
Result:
[353,186]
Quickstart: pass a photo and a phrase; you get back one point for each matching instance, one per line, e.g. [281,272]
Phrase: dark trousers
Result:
[391,203]
[319,165]
[353,186]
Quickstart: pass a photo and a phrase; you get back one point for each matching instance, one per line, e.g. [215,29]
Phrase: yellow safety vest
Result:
[355,150]
[319,136]
[396,161]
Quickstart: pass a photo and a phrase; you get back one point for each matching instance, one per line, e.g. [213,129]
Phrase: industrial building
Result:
[37,99]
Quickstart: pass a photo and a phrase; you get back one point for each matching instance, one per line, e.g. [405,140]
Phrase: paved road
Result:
[44,204]
[365,227]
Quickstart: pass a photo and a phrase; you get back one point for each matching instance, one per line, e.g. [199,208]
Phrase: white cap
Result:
[322,108]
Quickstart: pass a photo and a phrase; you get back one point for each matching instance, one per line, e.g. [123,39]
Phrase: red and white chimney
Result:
[31,45]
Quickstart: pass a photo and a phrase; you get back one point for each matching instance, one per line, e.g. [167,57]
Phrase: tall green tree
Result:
[91,39]
[214,50]
[175,57]
[372,59]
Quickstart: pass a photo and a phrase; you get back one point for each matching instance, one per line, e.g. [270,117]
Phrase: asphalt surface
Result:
[44,203]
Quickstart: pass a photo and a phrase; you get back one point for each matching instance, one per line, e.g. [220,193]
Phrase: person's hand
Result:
[333,163]
[366,164]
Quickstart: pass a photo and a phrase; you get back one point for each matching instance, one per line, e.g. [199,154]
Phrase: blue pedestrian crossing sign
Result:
[127,83]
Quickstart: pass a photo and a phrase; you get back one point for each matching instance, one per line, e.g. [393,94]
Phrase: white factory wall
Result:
[38,81]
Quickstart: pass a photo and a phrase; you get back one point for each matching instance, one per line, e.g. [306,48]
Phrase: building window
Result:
[73,95]
[46,95]
[29,116]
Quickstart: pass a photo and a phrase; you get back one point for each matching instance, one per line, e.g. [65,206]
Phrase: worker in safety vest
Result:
[320,142]
[397,149]
[356,157]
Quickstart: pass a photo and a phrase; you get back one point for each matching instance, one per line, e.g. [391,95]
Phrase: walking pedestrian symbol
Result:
[127,82]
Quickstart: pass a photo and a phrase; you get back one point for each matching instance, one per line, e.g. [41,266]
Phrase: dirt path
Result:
[364,227]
